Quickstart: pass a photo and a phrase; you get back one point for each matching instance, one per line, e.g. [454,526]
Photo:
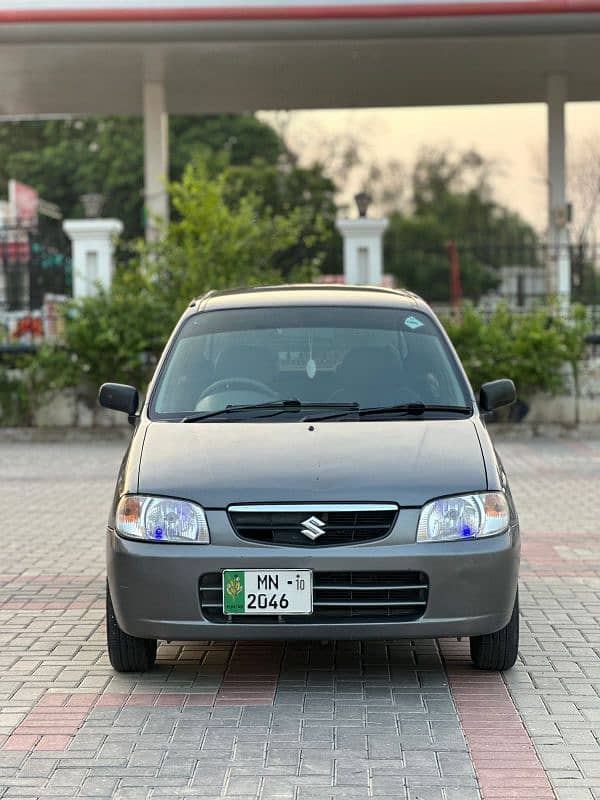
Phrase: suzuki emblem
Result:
[313,527]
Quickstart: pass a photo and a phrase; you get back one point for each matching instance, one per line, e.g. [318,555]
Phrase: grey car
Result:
[311,462]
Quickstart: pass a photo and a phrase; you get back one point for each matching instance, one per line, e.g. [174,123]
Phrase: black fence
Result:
[32,266]
[519,274]
[34,263]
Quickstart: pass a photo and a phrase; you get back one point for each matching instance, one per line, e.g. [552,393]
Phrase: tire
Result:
[126,653]
[498,651]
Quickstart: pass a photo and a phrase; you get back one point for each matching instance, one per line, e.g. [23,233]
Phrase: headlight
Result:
[466,517]
[161,519]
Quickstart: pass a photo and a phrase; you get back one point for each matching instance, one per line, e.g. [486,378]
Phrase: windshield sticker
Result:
[413,323]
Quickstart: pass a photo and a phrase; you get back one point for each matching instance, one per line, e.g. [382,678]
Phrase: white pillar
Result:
[156,158]
[558,237]
[92,247]
[363,249]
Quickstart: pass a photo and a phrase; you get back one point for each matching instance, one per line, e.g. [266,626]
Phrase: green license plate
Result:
[275,592]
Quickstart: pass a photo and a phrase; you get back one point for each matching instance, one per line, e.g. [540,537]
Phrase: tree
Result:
[451,199]
[241,136]
[291,189]
[64,159]
[416,253]
[216,241]
[212,244]
[457,188]
[444,196]
[350,159]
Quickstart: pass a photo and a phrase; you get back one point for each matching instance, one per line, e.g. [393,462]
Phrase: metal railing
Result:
[522,274]
[32,266]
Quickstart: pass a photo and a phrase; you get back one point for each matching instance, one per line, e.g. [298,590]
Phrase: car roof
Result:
[310,294]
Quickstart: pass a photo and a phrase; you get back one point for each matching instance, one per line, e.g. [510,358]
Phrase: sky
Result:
[512,135]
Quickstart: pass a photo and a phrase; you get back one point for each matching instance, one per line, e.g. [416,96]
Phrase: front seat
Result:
[370,376]
[421,374]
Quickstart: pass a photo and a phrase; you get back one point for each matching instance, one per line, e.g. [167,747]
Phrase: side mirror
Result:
[119,397]
[496,394]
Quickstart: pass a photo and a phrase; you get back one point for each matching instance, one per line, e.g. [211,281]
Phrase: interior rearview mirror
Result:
[119,397]
[496,394]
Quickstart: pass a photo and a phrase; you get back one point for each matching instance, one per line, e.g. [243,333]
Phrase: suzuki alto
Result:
[310,462]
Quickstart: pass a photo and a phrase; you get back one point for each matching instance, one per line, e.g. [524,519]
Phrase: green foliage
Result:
[217,241]
[244,214]
[242,137]
[416,252]
[15,400]
[456,188]
[113,336]
[451,200]
[64,159]
[118,334]
[530,348]
[305,191]
[26,383]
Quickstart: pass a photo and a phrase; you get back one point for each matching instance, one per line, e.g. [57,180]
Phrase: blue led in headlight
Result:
[463,517]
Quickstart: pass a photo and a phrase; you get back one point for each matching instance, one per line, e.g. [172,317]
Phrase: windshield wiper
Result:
[292,406]
[406,409]
[413,408]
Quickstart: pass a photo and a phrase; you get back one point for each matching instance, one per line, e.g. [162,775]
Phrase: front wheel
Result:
[498,651]
[126,653]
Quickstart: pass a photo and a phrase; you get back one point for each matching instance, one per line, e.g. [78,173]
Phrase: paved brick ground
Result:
[556,688]
[298,721]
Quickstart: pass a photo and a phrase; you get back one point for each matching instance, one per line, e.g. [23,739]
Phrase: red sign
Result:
[15,251]
[23,203]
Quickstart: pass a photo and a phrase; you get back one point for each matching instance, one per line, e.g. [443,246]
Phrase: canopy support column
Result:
[156,158]
[558,237]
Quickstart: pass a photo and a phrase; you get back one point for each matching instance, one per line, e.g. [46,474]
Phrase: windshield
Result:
[315,355]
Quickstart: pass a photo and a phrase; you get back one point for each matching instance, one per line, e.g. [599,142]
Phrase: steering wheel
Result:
[238,383]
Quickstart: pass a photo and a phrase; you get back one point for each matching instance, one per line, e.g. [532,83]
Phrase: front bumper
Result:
[155,587]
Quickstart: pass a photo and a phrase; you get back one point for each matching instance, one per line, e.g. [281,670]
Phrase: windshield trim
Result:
[161,369]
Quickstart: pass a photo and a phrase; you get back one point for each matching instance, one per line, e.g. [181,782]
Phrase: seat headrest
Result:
[369,361]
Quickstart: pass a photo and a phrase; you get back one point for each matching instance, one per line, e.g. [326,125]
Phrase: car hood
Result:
[217,464]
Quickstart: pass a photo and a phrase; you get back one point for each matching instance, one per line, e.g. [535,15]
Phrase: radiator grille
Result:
[340,526]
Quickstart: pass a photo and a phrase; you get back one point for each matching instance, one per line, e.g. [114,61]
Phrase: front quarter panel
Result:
[497,478]
[128,477]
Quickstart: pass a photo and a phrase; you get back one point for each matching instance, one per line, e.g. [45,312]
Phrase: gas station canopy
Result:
[72,56]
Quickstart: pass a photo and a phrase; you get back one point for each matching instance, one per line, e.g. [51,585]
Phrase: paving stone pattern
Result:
[557,684]
[296,720]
